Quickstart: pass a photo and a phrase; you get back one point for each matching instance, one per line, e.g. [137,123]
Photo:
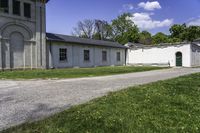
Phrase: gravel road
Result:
[22,101]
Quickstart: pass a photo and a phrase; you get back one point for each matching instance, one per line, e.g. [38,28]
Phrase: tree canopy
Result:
[184,32]
[123,30]
[145,38]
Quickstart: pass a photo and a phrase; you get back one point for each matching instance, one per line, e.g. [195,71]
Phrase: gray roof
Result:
[197,40]
[72,39]
[136,45]
[140,46]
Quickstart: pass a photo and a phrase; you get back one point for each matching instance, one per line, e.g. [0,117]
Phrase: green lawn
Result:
[171,106]
[71,72]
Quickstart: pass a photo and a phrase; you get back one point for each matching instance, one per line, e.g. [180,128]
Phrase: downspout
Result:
[50,50]
[191,55]
[126,56]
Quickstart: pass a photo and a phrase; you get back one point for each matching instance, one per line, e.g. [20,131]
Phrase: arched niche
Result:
[9,28]
[179,58]
[16,45]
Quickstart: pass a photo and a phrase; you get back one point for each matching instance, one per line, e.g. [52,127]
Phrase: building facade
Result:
[24,42]
[22,34]
[67,51]
[176,55]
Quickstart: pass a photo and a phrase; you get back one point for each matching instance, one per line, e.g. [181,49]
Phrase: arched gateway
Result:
[16,37]
[179,62]
[22,34]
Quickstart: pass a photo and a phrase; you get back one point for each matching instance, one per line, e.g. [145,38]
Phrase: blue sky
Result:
[152,15]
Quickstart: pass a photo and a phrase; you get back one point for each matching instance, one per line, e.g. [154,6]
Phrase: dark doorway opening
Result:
[179,62]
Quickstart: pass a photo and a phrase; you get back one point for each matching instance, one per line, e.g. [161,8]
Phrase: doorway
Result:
[179,62]
[16,50]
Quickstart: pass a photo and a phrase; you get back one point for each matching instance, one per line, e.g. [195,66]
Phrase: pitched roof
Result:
[72,39]
[161,45]
[136,45]
[197,40]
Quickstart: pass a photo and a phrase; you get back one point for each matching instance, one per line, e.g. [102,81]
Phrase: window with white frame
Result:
[86,55]
[63,54]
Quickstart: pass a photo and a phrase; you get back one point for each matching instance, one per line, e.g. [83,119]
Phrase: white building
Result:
[67,51]
[24,42]
[184,54]
[22,34]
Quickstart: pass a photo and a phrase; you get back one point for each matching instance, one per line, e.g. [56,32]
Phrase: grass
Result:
[71,72]
[171,106]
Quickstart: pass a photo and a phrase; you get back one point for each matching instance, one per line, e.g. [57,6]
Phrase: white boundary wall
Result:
[159,55]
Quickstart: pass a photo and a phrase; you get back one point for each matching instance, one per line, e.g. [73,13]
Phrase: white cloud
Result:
[194,22]
[145,22]
[150,6]
[128,7]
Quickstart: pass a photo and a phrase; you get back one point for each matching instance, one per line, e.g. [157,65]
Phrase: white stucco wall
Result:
[160,55]
[75,55]
[195,55]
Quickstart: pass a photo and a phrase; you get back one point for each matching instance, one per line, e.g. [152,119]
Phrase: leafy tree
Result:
[178,31]
[160,38]
[103,30]
[124,30]
[145,38]
[174,40]
[192,33]
[184,33]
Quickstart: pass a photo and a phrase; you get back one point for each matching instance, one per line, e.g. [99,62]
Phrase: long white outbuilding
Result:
[173,55]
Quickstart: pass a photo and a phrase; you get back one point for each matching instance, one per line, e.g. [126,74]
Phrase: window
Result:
[118,56]
[104,55]
[16,7]
[4,6]
[86,55]
[27,10]
[63,54]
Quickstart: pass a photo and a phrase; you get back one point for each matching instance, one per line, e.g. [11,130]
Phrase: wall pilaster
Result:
[10,6]
[1,54]
[8,53]
[22,9]
[41,35]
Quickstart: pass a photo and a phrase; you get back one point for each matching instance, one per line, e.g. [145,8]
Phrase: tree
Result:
[192,33]
[145,38]
[185,33]
[103,30]
[85,29]
[124,30]
[160,38]
[174,40]
[178,31]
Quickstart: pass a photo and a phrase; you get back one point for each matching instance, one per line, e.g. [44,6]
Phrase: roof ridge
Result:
[74,39]
[84,38]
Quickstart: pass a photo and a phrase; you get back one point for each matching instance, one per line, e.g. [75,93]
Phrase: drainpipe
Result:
[51,54]
[126,56]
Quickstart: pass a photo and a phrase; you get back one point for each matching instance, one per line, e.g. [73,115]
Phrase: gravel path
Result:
[22,101]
